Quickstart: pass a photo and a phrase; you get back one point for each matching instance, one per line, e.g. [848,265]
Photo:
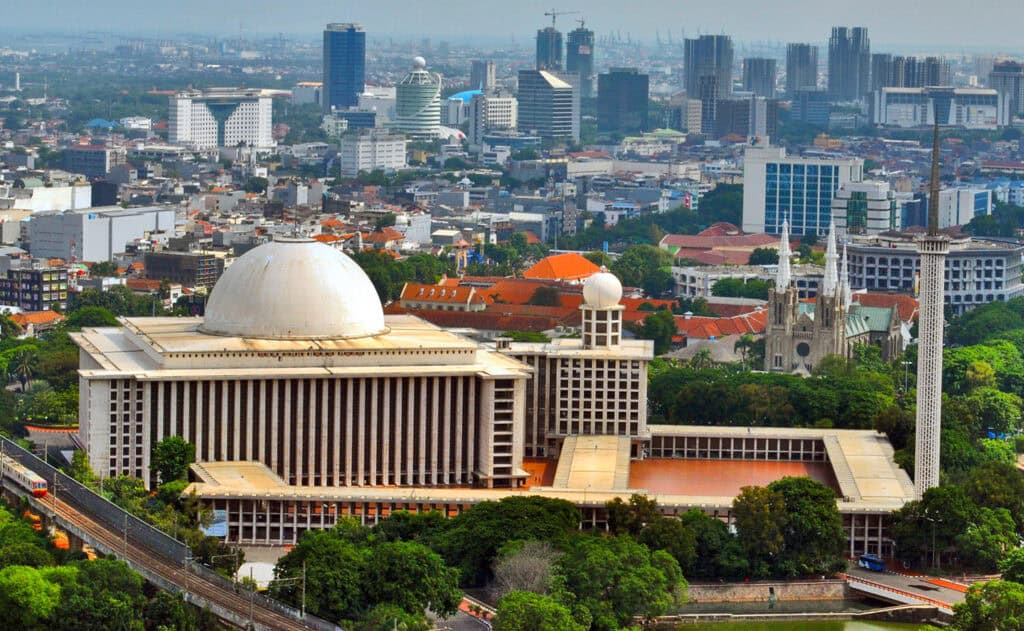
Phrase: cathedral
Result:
[800,334]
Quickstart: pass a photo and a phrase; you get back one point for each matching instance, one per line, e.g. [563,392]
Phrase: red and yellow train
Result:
[24,476]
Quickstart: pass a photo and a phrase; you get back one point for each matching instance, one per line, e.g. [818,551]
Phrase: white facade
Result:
[418,105]
[970,108]
[221,117]
[137,123]
[46,198]
[97,234]
[489,113]
[334,126]
[957,206]
[381,100]
[777,187]
[864,208]
[370,150]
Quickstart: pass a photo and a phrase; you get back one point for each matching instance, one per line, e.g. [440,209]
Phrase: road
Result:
[925,587]
[172,573]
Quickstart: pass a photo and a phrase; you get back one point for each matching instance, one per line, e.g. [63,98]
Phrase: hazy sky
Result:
[949,24]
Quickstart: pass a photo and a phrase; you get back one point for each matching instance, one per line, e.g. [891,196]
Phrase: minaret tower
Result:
[932,248]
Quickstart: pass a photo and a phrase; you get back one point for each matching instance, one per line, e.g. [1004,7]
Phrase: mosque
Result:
[306,403]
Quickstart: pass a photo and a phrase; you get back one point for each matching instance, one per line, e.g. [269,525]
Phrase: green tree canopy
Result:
[171,458]
[525,611]
[995,605]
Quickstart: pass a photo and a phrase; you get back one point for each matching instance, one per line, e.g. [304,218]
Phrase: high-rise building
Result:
[753,117]
[777,187]
[418,103]
[811,107]
[549,49]
[344,65]
[888,71]
[708,95]
[849,63]
[579,58]
[490,112]
[864,208]
[971,108]
[1007,78]
[221,117]
[801,68]
[932,248]
[884,72]
[369,150]
[482,75]
[709,55]
[622,96]
[759,76]
[548,106]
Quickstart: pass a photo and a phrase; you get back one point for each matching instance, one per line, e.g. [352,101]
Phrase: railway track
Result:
[177,575]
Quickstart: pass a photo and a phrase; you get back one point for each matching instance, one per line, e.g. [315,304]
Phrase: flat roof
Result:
[860,469]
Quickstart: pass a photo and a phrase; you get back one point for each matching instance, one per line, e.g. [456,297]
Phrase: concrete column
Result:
[385,431]
[349,451]
[299,422]
[398,412]
[424,425]
[460,383]
[236,421]
[410,430]
[250,442]
[361,423]
[446,432]
[287,439]
[274,426]
[336,422]
[374,422]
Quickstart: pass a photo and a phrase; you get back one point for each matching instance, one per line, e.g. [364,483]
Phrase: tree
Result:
[660,327]
[616,578]
[103,269]
[669,534]
[80,469]
[412,577]
[987,539]
[256,185]
[8,327]
[1012,566]
[928,527]
[744,346]
[90,317]
[524,567]
[980,374]
[24,366]
[813,532]
[334,569]
[526,611]
[27,599]
[26,553]
[633,517]
[169,611]
[171,458]
[107,595]
[764,256]
[760,517]
[997,485]
[544,296]
[599,258]
[388,617]
[991,606]
[645,266]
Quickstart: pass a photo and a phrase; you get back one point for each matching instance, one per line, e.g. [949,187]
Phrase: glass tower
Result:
[344,66]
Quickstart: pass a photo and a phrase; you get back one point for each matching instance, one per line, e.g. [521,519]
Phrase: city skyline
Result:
[890,25]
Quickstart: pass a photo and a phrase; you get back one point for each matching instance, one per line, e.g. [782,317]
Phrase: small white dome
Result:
[419,63]
[602,290]
[294,289]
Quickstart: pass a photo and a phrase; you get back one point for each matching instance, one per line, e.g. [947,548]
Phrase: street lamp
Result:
[302,605]
[935,557]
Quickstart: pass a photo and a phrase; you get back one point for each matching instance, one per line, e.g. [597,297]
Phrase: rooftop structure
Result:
[418,105]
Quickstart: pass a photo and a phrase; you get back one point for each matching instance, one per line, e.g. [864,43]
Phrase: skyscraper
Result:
[888,71]
[418,103]
[622,96]
[344,65]
[547,106]
[579,58]
[709,55]
[932,248]
[482,76]
[849,63]
[759,76]
[549,49]
[1007,78]
[801,68]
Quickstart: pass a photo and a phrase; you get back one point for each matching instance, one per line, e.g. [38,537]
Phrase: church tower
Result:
[830,308]
[783,307]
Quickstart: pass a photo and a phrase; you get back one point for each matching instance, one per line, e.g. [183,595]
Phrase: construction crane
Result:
[555,13]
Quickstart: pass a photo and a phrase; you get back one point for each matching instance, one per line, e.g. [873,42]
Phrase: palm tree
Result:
[24,366]
[743,346]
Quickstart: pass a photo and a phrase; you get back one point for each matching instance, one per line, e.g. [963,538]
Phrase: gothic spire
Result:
[782,277]
[831,281]
[844,280]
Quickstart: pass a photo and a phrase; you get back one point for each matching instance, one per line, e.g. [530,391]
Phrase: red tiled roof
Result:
[36,317]
[707,328]
[568,266]
[441,293]
[906,306]
[487,320]
[385,235]
[714,242]
[326,238]
[142,284]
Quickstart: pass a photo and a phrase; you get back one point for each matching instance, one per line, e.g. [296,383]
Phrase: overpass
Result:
[159,558]
[905,589]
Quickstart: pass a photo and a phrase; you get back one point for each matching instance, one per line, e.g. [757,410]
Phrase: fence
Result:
[140,533]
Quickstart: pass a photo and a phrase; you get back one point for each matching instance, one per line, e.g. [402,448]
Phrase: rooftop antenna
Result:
[933,194]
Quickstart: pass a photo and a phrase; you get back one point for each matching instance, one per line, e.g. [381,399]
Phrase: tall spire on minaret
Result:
[831,280]
[844,280]
[932,248]
[782,277]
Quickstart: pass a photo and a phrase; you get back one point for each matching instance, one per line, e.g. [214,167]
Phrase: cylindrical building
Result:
[418,106]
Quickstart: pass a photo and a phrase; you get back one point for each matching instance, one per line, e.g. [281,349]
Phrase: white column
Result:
[424,428]
[250,442]
[374,430]
[361,424]
[435,421]
[287,468]
[397,433]
[460,383]
[274,427]
[336,424]
[236,420]
[161,421]
[349,452]
[300,427]
[385,431]
[446,432]
[325,419]
[410,431]
[200,438]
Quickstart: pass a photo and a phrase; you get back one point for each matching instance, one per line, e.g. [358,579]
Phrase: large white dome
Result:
[294,289]
[602,290]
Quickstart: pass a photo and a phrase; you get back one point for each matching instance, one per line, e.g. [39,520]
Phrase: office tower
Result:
[849,63]
[777,186]
[221,117]
[926,72]
[482,76]
[579,58]
[932,248]
[418,104]
[490,112]
[549,49]
[811,107]
[865,208]
[622,96]
[707,93]
[754,118]
[883,72]
[371,149]
[709,55]
[1007,78]
[801,68]
[759,76]
[547,106]
[344,65]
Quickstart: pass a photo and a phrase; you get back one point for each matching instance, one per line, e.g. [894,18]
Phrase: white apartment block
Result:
[221,117]
[490,113]
[865,208]
[371,149]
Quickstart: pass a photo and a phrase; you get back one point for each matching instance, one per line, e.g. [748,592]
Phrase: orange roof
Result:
[531,238]
[441,293]
[326,238]
[518,291]
[138,266]
[905,305]
[143,284]
[384,235]
[707,328]
[333,222]
[36,317]
[568,266]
